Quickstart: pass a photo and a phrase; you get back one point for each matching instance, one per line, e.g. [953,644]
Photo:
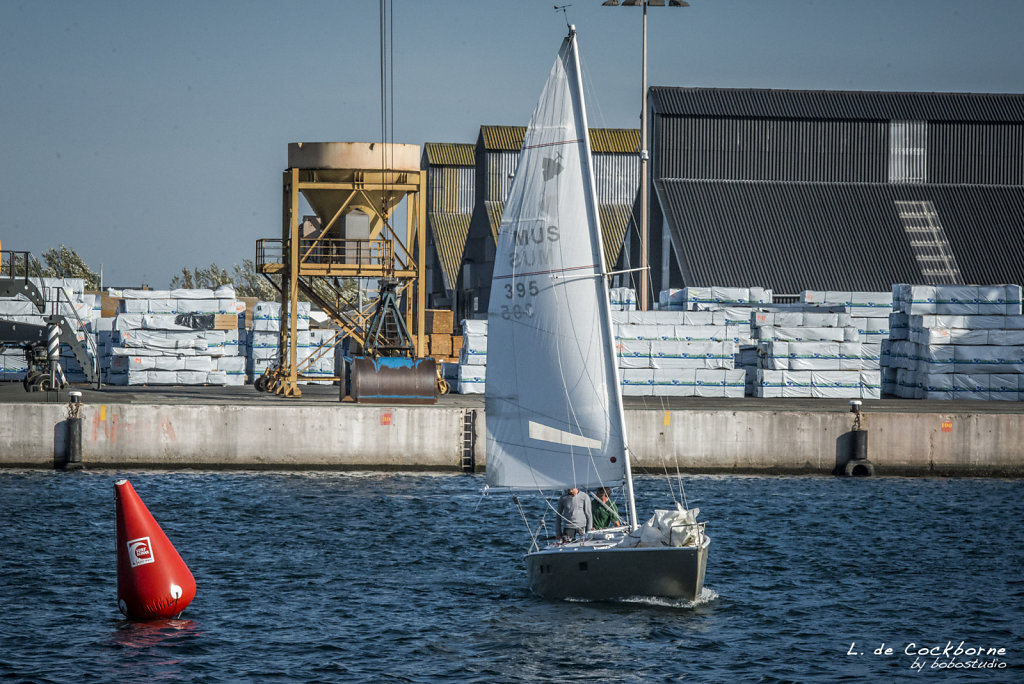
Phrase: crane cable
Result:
[387,96]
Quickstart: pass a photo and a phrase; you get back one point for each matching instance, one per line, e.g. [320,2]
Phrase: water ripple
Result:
[363,577]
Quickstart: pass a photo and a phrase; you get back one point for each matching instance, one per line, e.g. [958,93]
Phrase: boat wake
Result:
[707,595]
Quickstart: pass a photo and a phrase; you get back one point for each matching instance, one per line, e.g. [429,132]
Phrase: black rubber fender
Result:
[860,467]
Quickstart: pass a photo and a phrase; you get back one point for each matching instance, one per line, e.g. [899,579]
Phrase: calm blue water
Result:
[370,577]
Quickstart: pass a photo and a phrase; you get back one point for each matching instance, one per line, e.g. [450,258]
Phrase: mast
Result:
[644,228]
[606,311]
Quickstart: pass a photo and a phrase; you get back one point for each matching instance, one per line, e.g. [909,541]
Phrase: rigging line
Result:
[598,275]
[605,506]
[387,105]
[555,143]
[586,160]
[682,490]
[483,492]
[632,225]
[391,108]
[594,106]
[602,396]
[524,274]
[572,418]
[383,94]
[383,84]
[561,369]
[533,535]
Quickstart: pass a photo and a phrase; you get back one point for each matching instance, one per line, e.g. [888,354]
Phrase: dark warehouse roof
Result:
[835,236]
[831,104]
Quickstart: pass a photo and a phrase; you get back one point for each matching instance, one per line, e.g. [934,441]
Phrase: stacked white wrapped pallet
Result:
[13,365]
[105,343]
[324,344]
[622,299]
[712,298]
[733,307]
[169,337]
[63,296]
[729,306]
[450,373]
[665,353]
[472,373]
[263,338]
[869,314]
[677,353]
[814,354]
[957,342]
[830,347]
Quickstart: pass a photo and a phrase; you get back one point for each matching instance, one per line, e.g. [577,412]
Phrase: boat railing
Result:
[700,525]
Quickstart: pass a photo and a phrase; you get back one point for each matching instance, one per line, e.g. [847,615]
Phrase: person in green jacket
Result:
[606,513]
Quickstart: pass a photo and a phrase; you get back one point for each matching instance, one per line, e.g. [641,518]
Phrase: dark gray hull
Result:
[586,572]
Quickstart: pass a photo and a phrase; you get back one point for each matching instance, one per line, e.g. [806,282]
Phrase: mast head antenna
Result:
[565,14]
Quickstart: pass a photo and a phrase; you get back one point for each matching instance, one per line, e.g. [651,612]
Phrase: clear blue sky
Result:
[152,135]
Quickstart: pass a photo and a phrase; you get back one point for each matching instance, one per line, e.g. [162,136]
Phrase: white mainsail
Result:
[554,414]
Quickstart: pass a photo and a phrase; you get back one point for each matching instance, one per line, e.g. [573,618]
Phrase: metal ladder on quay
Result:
[469,441]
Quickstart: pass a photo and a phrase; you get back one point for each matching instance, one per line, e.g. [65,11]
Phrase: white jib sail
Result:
[554,414]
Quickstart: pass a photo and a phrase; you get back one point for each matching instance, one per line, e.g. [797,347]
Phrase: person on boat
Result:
[606,513]
[574,515]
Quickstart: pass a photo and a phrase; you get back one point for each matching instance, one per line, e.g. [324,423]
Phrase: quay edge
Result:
[242,429]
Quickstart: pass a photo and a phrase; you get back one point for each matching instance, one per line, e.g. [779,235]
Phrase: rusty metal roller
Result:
[394,380]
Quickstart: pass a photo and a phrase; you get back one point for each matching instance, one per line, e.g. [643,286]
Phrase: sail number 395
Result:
[516,291]
[521,289]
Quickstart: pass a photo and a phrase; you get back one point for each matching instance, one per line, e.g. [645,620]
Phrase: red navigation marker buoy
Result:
[152,580]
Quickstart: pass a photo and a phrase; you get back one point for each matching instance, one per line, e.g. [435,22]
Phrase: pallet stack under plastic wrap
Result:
[933,342]
[955,342]
[470,374]
[318,345]
[13,365]
[174,337]
[690,346]
[828,345]
[660,353]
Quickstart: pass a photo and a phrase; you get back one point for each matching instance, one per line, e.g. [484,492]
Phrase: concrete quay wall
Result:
[223,436]
[433,438]
[964,444]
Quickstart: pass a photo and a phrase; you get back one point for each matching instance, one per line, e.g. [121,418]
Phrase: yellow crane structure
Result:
[356,191]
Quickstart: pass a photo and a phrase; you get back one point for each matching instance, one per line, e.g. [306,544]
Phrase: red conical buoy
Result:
[152,579]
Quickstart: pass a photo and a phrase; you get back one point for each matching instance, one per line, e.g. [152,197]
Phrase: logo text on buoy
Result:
[140,551]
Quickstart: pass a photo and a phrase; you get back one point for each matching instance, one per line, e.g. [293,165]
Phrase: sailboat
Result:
[553,407]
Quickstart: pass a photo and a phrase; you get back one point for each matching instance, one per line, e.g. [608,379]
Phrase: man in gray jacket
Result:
[574,515]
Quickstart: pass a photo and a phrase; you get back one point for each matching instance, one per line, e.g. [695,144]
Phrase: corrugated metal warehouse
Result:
[788,190]
[466,196]
[451,199]
[798,190]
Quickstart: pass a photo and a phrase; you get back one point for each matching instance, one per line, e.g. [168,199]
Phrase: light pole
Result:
[644,269]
